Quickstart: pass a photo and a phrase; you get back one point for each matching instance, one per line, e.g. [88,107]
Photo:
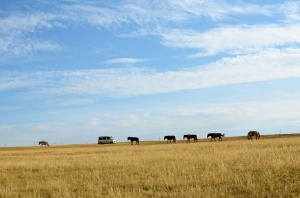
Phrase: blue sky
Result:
[71,70]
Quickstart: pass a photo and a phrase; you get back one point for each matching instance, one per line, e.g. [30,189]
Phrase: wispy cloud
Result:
[244,115]
[19,27]
[234,40]
[16,80]
[147,12]
[124,61]
[15,46]
[267,65]
[16,34]
[290,9]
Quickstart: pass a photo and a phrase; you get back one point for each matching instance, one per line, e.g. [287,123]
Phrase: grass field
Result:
[235,167]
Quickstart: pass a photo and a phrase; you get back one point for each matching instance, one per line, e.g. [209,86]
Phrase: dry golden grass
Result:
[236,167]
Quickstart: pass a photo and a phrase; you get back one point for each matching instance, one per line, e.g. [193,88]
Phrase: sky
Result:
[72,70]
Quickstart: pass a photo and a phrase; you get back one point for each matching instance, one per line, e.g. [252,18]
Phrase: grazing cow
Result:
[215,135]
[132,139]
[253,133]
[190,136]
[43,143]
[170,138]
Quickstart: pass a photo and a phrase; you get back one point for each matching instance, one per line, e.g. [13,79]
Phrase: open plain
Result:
[235,167]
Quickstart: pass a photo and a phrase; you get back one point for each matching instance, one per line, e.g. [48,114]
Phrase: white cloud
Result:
[16,34]
[148,13]
[291,10]
[19,23]
[19,46]
[236,40]
[15,80]
[18,28]
[266,65]
[217,10]
[124,61]
[266,116]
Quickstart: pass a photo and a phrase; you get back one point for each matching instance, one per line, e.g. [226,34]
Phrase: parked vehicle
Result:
[106,140]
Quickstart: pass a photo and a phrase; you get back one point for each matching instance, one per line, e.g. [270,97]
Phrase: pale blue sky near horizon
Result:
[72,70]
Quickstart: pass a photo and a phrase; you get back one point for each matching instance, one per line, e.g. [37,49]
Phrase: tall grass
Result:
[258,168]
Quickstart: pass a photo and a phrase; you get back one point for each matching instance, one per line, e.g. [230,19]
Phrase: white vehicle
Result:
[106,140]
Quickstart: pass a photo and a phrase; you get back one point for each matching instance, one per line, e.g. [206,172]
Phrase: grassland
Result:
[235,167]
